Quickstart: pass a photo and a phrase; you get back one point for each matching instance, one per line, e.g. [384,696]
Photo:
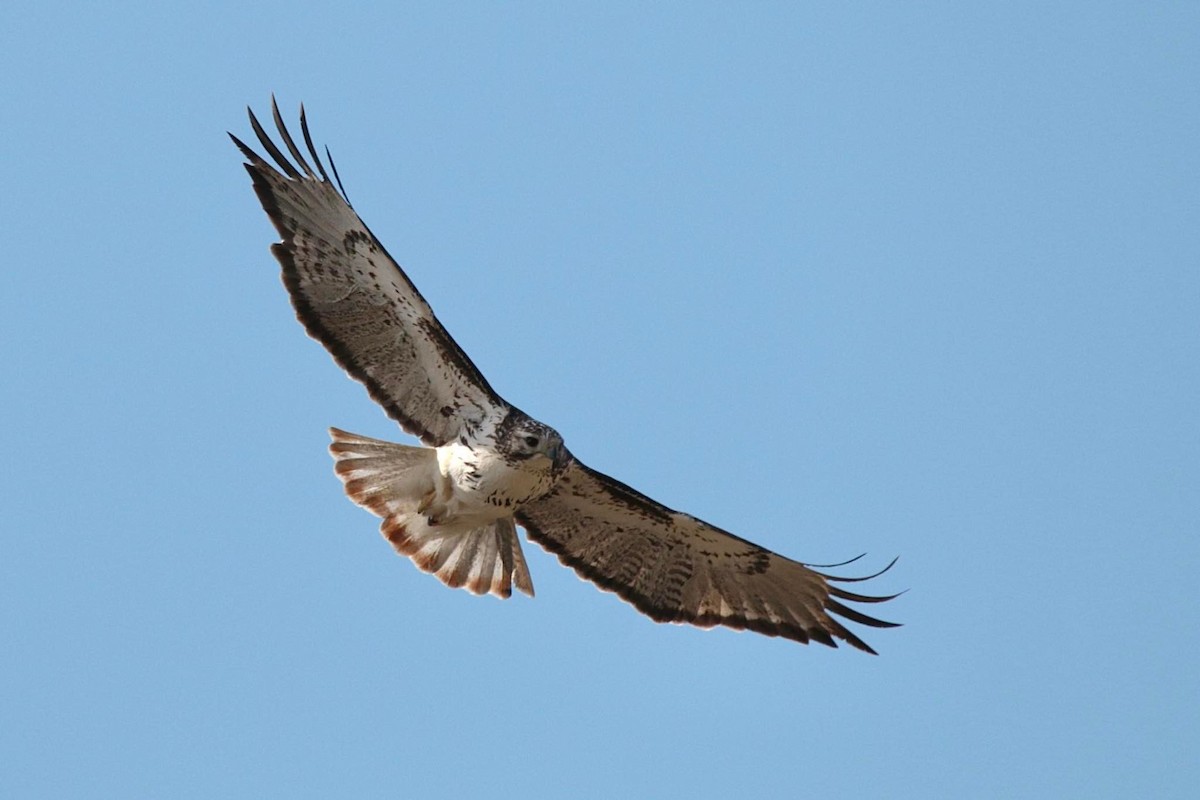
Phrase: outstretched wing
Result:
[356,300]
[676,568]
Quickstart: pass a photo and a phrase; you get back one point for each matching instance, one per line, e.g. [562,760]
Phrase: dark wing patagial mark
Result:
[356,300]
[626,496]
[676,568]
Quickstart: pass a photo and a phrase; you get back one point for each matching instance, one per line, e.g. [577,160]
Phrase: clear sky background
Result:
[915,281]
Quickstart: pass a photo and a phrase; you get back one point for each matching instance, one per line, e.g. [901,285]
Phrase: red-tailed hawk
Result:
[453,505]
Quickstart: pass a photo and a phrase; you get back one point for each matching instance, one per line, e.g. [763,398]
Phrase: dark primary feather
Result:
[356,300]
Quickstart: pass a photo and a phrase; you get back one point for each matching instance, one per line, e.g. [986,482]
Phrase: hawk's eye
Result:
[531,441]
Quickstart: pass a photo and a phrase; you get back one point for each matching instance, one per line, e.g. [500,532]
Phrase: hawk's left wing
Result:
[676,568]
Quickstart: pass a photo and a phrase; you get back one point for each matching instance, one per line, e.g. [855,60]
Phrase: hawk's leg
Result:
[434,512]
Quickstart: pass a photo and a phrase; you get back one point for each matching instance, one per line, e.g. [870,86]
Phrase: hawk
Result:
[452,506]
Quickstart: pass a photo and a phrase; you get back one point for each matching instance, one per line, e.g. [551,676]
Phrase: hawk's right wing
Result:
[356,300]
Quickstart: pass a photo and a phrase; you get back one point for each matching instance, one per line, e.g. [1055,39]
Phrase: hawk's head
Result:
[521,438]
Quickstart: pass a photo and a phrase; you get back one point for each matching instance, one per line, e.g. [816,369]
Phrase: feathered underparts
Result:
[400,484]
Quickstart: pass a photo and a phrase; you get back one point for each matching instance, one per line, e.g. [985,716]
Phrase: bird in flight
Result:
[453,505]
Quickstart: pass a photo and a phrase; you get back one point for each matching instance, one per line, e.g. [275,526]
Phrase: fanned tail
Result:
[484,560]
[393,481]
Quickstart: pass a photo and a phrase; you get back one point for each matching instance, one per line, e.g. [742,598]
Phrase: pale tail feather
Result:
[390,480]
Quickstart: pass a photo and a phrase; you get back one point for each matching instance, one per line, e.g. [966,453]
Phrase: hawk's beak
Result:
[558,454]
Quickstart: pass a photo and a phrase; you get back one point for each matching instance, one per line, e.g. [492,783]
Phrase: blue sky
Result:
[916,281]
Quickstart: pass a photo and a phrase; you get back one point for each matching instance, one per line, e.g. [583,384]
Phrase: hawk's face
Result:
[530,441]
